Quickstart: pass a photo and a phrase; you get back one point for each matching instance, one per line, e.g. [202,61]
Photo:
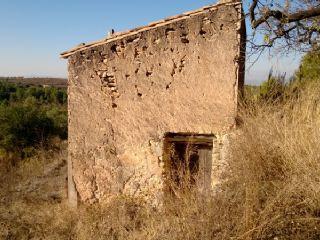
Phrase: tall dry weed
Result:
[275,168]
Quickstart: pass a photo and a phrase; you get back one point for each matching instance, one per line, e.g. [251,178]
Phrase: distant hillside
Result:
[37,81]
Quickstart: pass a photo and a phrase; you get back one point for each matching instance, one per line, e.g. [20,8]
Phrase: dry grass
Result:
[271,190]
[277,160]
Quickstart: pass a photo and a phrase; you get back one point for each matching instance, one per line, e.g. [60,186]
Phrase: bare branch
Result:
[293,24]
[281,16]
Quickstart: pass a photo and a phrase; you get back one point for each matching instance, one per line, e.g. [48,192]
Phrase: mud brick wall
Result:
[181,75]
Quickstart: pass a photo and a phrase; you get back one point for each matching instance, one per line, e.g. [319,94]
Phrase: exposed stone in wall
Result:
[124,95]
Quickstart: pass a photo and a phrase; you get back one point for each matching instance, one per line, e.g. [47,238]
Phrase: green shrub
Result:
[309,67]
[59,118]
[23,126]
[273,89]
[30,116]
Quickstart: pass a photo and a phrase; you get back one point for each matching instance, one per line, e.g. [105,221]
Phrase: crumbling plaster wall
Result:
[124,95]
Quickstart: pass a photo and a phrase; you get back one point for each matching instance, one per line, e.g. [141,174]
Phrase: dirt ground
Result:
[32,192]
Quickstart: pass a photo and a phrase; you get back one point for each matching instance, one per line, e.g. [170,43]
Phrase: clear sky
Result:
[34,32]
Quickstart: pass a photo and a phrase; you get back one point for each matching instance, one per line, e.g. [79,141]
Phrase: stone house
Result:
[138,100]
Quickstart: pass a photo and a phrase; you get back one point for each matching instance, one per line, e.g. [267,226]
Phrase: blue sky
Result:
[34,32]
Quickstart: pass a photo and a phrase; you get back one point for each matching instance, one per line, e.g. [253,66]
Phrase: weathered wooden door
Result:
[188,158]
[205,168]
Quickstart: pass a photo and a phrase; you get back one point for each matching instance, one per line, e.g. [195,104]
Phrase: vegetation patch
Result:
[30,117]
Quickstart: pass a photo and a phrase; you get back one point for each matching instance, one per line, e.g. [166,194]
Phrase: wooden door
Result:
[205,168]
[188,157]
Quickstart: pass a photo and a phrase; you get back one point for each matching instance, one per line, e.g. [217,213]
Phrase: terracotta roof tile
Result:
[137,30]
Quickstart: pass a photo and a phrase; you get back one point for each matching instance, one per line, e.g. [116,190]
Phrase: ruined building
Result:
[138,100]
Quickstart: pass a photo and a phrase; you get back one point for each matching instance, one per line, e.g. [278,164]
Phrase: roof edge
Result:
[152,25]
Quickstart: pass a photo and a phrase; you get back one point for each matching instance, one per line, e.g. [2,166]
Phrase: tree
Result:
[288,24]
[310,67]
